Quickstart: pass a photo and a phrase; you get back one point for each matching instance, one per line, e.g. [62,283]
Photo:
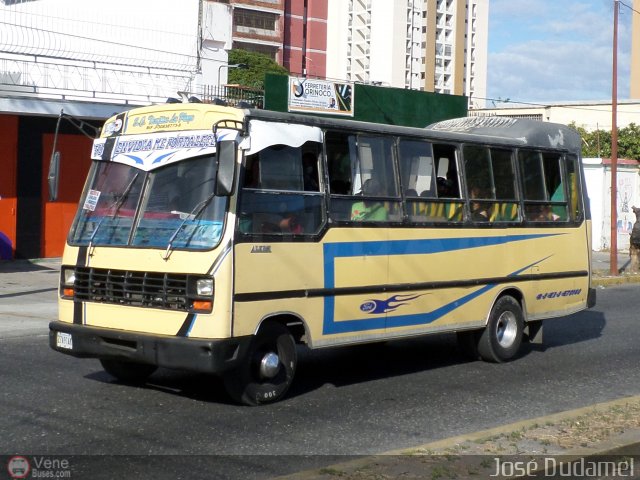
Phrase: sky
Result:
[546,51]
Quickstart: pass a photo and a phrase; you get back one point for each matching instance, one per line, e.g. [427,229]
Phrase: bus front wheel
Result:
[127,372]
[502,337]
[268,371]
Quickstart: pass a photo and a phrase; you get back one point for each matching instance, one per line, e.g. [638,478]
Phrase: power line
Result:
[629,7]
[542,105]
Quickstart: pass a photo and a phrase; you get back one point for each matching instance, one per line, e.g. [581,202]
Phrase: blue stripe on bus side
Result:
[332,251]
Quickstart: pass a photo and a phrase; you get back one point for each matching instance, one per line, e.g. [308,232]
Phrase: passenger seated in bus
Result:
[310,172]
[479,210]
[445,189]
[291,224]
[367,210]
[541,213]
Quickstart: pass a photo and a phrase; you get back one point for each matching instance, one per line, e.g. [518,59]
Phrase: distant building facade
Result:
[590,115]
[434,45]
[291,32]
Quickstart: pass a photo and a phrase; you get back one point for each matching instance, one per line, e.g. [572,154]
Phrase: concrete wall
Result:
[598,179]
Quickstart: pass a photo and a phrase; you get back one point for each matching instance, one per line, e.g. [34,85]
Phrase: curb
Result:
[626,444]
[600,279]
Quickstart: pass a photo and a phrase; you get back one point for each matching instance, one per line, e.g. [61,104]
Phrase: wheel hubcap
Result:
[507,329]
[269,365]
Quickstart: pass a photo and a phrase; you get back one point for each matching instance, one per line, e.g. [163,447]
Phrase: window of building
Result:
[255,19]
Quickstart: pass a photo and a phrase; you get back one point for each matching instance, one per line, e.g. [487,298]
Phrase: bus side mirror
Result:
[226,155]
[53,177]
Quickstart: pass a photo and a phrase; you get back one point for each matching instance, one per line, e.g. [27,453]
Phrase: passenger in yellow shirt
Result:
[367,210]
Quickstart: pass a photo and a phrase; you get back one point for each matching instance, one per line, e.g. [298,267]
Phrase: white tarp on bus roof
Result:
[264,134]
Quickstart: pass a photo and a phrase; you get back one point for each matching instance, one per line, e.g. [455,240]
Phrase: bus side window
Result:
[575,203]
[479,182]
[281,191]
[491,183]
[362,178]
[506,208]
[544,194]
[446,167]
[424,193]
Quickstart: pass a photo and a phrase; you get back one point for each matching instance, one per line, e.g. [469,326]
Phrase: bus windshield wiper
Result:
[192,215]
[116,205]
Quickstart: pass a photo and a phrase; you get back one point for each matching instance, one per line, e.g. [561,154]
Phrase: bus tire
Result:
[502,337]
[127,372]
[268,370]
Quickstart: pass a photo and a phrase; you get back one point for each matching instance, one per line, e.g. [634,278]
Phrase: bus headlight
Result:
[68,280]
[201,290]
[204,287]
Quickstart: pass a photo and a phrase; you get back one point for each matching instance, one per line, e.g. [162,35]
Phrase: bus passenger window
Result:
[281,191]
[436,193]
[445,165]
[416,168]
[544,190]
[491,183]
[362,178]
[574,203]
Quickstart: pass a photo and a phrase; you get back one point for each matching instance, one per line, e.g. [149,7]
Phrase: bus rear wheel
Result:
[502,337]
[127,372]
[268,371]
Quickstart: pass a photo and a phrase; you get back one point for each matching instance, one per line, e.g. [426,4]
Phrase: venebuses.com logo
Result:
[38,467]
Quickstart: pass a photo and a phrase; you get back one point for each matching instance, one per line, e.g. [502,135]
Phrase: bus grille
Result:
[137,289]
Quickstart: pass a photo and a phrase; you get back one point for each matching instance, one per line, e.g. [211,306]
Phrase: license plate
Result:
[64,340]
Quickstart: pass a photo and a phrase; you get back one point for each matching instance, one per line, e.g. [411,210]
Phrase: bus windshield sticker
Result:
[92,200]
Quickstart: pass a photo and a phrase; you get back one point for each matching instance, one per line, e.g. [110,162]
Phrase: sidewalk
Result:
[602,434]
[25,277]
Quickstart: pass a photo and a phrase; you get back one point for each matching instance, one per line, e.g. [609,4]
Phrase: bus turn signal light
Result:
[202,305]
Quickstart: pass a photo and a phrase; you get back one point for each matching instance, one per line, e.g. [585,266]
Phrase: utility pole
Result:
[613,259]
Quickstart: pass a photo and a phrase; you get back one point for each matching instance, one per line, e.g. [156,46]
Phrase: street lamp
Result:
[235,65]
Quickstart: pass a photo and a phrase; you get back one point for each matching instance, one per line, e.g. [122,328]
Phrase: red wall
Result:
[8,196]
[75,152]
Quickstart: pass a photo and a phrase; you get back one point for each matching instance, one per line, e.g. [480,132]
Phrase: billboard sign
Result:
[320,96]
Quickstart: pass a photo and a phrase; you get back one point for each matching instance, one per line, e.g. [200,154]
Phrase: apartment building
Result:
[291,32]
[433,45]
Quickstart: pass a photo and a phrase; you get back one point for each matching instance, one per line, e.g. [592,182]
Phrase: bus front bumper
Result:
[198,355]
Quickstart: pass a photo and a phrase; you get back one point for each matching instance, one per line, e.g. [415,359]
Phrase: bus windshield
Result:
[123,205]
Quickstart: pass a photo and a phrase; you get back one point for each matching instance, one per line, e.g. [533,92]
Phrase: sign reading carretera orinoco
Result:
[320,96]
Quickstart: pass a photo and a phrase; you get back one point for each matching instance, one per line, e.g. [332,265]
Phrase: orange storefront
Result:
[30,225]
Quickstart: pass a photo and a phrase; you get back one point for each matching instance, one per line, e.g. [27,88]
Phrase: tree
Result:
[597,143]
[258,66]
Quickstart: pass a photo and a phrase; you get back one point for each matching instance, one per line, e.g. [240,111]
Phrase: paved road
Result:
[355,401]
